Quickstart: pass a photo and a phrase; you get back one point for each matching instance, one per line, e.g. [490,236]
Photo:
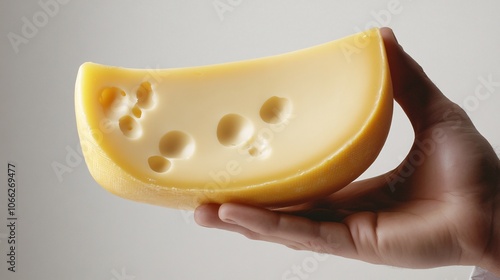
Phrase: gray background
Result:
[70,228]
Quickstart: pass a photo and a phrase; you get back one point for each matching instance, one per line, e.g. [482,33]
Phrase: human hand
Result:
[440,206]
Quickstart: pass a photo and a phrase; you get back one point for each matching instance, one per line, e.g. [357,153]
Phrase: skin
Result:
[440,206]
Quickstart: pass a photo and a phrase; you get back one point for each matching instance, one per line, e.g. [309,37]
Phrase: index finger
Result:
[324,237]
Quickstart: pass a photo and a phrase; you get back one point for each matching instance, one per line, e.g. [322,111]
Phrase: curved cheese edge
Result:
[328,114]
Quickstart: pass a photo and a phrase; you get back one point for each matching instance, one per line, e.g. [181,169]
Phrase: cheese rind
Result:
[272,131]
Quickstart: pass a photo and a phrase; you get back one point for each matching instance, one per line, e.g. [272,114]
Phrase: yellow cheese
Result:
[272,131]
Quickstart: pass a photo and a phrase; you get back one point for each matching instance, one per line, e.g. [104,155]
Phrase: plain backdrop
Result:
[68,227]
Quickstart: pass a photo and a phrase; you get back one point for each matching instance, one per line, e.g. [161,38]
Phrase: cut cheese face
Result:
[272,132]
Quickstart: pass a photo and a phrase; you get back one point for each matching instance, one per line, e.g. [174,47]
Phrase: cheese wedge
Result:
[272,132]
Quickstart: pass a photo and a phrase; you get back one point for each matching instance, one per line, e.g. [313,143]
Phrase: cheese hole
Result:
[234,130]
[159,164]
[259,151]
[276,110]
[260,147]
[113,102]
[136,111]
[177,144]
[145,96]
[130,127]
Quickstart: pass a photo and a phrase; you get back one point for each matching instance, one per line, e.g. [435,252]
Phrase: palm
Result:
[419,213]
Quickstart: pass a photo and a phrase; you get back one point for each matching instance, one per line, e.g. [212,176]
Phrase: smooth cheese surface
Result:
[271,131]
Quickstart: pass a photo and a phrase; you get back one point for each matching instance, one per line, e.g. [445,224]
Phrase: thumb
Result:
[422,101]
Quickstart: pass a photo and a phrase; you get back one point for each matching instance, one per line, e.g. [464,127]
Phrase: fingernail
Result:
[394,35]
